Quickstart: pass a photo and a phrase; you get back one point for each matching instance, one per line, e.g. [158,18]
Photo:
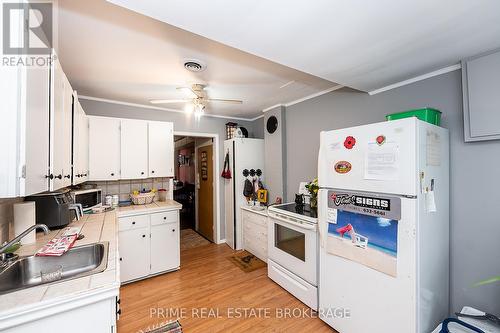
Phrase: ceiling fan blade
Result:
[229,101]
[189,92]
[168,101]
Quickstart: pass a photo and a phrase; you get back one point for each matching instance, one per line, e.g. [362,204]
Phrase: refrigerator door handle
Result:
[322,207]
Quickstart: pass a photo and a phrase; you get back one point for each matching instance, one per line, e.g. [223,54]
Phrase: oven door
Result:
[294,245]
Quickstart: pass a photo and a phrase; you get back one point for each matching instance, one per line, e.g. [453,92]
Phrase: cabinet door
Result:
[134,253]
[104,148]
[83,145]
[76,142]
[164,247]
[161,149]
[36,155]
[80,144]
[57,115]
[134,149]
[67,131]
[61,104]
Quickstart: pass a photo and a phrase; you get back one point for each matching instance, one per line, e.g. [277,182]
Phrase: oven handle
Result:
[286,220]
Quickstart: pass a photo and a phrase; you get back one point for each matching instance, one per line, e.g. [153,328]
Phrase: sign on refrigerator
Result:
[364,228]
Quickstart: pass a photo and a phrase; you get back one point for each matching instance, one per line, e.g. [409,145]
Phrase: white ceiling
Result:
[113,53]
[364,44]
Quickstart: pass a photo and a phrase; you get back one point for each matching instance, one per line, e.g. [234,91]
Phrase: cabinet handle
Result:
[143,236]
[58,176]
[118,301]
[121,259]
[173,230]
[84,175]
[51,176]
[152,171]
[112,174]
[67,176]
[142,173]
[133,222]
[119,312]
[164,217]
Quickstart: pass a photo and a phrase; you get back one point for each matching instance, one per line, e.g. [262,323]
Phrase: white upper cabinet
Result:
[61,112]
[24,129]
[104,148]
[130,149]
[80,143]
[134,149]
[161,149]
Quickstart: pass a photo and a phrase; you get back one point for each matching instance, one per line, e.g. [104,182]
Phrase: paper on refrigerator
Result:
[382,161]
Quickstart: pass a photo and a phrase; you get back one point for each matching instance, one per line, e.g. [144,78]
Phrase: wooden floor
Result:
[211,294]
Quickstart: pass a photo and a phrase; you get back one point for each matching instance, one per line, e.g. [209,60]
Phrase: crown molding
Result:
[416,79]
[145,106]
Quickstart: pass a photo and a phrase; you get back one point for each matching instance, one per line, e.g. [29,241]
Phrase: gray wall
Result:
[258,128]
[275,155]
[182,123]
[474,172]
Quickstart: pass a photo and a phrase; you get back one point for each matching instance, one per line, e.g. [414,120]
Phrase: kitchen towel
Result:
[24,217]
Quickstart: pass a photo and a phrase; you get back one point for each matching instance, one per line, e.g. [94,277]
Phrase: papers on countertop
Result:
[57,246]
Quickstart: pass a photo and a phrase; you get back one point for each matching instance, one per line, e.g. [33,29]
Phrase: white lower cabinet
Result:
[148,244]
[88,316]
[134,253]
[255,233]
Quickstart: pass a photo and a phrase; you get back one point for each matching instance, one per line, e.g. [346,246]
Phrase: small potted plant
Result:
[313,188]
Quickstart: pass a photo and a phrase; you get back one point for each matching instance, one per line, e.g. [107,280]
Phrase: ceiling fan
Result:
[196,100]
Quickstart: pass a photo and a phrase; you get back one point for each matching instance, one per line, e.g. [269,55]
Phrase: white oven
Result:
[293,254]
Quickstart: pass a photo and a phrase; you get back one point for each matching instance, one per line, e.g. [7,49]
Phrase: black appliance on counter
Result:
[52,208]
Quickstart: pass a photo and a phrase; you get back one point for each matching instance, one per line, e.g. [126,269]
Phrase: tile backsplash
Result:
[7,218]
[124,187]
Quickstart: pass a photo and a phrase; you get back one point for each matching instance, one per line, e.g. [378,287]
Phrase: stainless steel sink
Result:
[78,262]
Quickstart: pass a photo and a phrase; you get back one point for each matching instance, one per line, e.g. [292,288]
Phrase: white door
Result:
[378,157]
[294,245]
[58,128]
[229,208]
[134,253]
[81,144]
[161,149]
[355,278]
[67,131]
[165,248]
[134,149]
[76,142]
[36,158]
[104,148]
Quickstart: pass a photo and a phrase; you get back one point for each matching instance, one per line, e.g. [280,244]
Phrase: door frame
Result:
[217,195]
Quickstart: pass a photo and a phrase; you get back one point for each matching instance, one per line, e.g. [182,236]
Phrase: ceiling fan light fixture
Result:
[189,108]
[199,110]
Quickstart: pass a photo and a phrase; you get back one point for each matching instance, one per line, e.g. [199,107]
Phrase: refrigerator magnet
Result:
[380,140]
[349,142]
[342,167]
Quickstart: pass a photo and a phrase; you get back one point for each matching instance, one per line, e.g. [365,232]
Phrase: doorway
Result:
[195,188]
[205,185]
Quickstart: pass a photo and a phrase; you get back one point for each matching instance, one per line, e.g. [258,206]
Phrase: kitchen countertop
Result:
[156,206]
[96,228]
[260,212]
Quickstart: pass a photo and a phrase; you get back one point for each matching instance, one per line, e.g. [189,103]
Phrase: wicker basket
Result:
[142,198]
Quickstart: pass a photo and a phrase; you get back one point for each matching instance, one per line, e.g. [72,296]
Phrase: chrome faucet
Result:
[6,245]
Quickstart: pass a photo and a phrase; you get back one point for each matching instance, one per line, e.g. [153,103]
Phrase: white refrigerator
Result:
[244,154]
[383,220]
